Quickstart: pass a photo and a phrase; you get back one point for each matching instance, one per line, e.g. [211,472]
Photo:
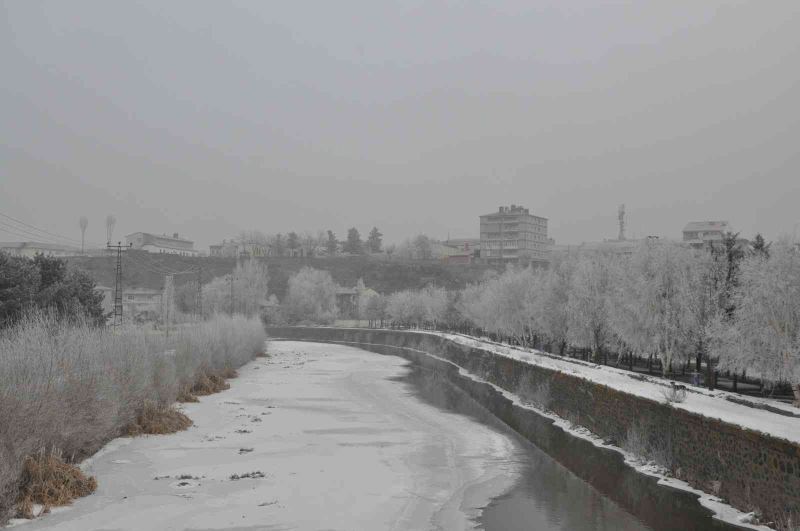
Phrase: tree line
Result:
[323,242]
[45,283]
[726,307]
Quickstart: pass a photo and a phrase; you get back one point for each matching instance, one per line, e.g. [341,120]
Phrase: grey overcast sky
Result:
[205,118]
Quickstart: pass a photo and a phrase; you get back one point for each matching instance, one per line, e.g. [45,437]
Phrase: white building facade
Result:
[163,244]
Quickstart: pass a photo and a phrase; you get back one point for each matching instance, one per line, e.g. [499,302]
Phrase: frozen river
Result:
[334,437]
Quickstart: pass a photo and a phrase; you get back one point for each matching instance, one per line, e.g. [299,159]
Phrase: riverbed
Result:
[325,436]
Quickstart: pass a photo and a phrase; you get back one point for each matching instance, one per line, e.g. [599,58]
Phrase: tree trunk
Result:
[796,393]
[735,382]
[710,374]
[699,360]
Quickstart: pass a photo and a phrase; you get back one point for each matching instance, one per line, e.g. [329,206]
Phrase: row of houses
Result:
[152,243]
[509,235]
[697,234]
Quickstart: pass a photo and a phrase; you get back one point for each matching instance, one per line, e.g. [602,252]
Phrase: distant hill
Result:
[141,269]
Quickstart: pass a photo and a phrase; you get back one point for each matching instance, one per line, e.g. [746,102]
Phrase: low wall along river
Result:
[749,470]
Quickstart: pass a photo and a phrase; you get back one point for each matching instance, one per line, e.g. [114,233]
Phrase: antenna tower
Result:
[621,218]
[110,222]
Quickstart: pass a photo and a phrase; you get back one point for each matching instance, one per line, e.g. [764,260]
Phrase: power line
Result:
[159,268]
[21,232]
[58,236]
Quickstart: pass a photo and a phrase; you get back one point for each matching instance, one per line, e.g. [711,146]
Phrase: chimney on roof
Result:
[175,235]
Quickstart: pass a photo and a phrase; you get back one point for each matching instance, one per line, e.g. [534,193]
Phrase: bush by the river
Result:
[70,387]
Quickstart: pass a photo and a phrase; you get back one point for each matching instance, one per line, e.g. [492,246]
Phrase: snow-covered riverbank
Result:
[719,404]
[318,441]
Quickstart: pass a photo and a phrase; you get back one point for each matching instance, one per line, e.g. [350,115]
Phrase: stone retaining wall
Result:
[750,470]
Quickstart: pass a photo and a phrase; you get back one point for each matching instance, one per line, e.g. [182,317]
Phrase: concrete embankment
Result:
[751,471]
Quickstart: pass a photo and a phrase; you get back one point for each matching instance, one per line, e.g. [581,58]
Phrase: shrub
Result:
[72,386]
[47,480]
[674,394]
[648,446]
[157,420]
[538,395]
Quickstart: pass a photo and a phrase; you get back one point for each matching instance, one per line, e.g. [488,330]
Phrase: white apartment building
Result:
[513,235]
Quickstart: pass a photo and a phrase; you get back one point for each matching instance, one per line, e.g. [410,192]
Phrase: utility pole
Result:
[84,222]
[502,242]
[200,293]
[118,282]
[168,302]
[231,303]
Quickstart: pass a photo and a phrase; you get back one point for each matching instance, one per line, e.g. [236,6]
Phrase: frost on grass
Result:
[537,394]
[73,386]
[649,447]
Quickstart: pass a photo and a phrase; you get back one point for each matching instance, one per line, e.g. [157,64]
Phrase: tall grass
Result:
[71,387]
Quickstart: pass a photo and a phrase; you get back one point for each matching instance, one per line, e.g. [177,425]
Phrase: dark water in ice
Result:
[566,483]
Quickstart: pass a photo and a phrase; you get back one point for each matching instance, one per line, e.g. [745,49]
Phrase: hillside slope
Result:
[141,269]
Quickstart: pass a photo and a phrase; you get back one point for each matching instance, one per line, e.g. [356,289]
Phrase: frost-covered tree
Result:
[311,297]
[516,304]
[630,326]
[658,276]
[760,246]
[423,247]
[251,280]
[372,306]
[417,307]
[369,303]
[508,304]
[704,299]
[551,314]
[244,291]
[763,335]
[587,305]
[292,243]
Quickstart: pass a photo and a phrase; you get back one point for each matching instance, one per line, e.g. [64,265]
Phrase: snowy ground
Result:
[329,442]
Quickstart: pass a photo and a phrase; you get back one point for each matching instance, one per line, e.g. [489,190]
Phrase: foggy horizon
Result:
[209,119]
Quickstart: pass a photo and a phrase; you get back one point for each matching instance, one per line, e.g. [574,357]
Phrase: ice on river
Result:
[317,436]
